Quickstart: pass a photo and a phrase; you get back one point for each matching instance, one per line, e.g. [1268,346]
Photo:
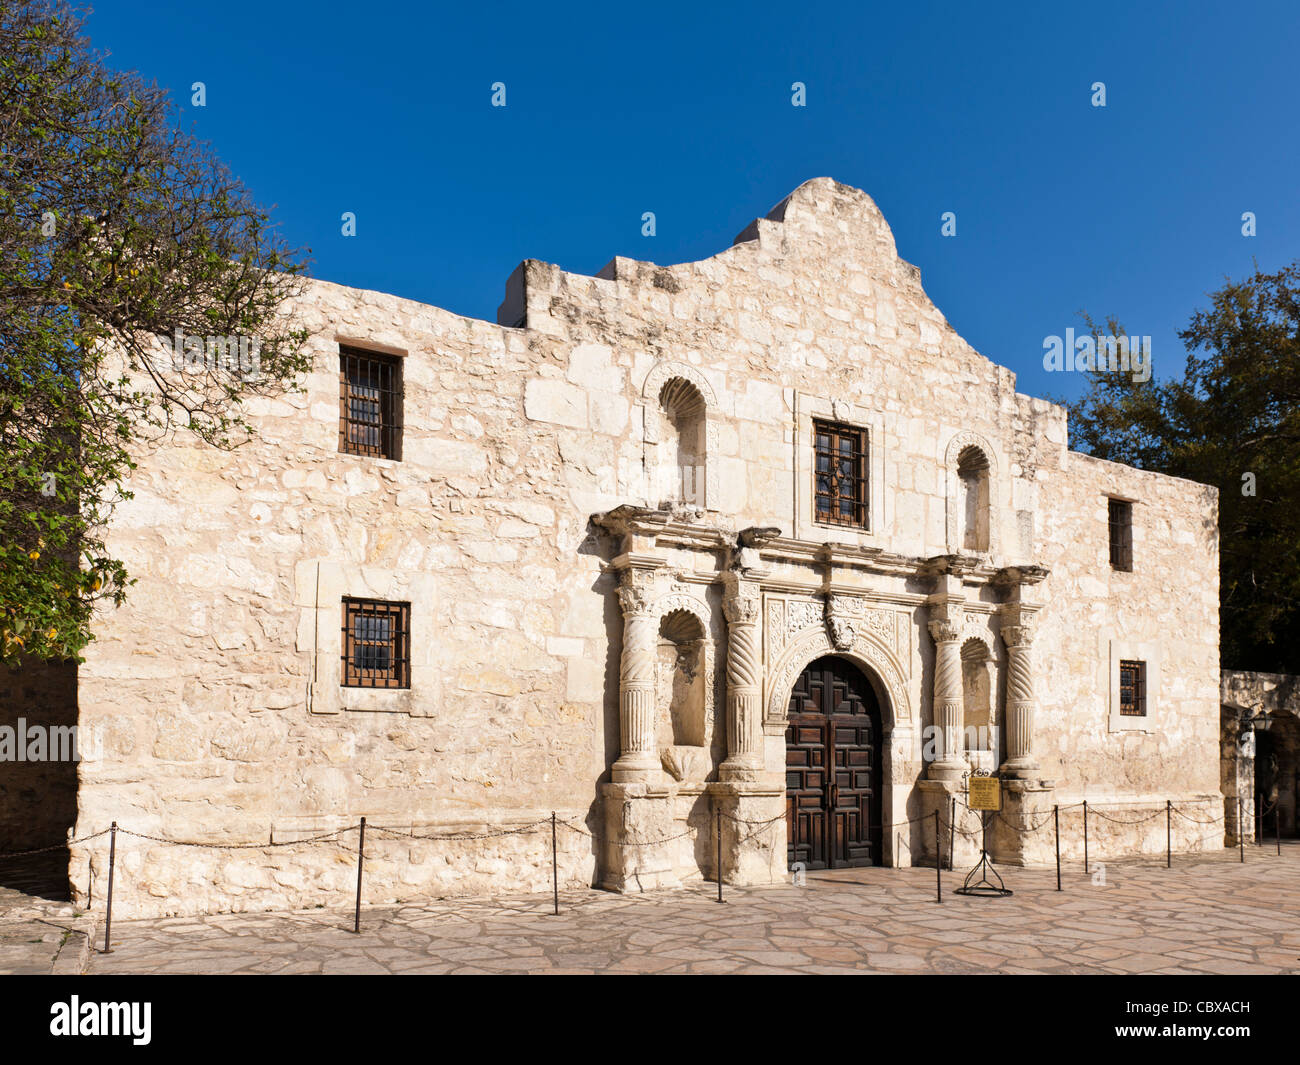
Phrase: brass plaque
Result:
[984,793]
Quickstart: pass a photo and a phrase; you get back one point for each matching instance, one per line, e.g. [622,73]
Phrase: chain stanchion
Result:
[1085,837]
[938,863]
[1259,824]
[952,829]
[112,859]
[717,811]
[1241,831]
[1169,834]
[361,859]
[1056,821]
[555,871]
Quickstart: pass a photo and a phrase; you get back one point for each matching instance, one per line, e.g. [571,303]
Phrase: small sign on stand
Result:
[984,793]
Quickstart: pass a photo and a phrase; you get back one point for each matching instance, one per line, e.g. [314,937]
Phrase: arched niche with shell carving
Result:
[973,495]
[686,731]
[680,412]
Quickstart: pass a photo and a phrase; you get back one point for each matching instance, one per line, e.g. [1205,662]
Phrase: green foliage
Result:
[116,228]
[1236,412]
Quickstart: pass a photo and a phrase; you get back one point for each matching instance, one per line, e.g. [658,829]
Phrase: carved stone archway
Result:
[868,653]
[882,670]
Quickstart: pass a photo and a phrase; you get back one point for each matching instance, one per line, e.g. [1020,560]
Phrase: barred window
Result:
[1132,688]
[1121,534]
[370,395]
[376,644]
[840,474]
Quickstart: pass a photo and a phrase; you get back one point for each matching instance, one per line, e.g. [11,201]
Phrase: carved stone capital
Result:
[944,631]
[636,591]
[1019,637]
[741,609]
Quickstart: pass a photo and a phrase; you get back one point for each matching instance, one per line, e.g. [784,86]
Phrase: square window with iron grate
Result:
[376,644]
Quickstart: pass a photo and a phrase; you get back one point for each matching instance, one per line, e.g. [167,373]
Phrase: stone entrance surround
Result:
[785,604]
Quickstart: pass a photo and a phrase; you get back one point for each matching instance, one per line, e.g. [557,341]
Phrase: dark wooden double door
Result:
[832,768]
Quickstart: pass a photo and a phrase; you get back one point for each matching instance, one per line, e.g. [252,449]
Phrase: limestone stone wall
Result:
[214,689]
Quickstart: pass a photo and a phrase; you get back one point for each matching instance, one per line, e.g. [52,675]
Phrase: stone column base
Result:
[752,852]
[956,851]
[638,849]
[1022,833]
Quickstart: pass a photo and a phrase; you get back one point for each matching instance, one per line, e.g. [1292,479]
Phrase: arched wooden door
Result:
[833,768]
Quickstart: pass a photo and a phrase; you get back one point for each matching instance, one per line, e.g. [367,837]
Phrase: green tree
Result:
[1232,421]
[117,228]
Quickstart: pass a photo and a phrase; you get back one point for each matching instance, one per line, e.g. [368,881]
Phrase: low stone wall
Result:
[153,879]
[1121,829]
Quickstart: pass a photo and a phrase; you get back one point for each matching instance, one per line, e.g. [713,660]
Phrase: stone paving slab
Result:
[41,933]
[1206,915]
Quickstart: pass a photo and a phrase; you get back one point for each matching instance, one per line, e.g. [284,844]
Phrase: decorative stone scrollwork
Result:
[840,625]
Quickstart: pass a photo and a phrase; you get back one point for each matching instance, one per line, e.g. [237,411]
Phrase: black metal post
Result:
[938,865]
[717,819]
[555,870]
[1277,827]
[1169,834]
[112,859]
[1085,836]
[361,858]
[952,829]
[1259,823]
[1241,831]
[1056,821]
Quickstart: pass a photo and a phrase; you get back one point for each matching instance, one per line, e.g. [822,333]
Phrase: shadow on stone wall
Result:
[38,796]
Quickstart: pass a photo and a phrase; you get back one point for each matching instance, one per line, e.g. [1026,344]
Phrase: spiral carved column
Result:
[744,683]
[948,709]
[1020,699]
[638,758]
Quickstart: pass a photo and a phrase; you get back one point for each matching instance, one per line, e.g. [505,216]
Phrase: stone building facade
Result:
[756,542]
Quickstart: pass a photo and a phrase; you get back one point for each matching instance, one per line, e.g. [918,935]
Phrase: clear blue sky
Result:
[615,109]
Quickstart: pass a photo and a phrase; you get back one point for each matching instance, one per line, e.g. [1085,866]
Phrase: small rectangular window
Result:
[370,394]
[376,644]
[1132,688]
[1121,534]
[840,474]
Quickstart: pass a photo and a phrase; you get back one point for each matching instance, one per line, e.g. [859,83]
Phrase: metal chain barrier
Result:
[55,847]
[524,830]
[1121,821]
[236,846]
[1195,821]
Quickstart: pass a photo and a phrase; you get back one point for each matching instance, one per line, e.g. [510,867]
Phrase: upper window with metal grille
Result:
[840,474]
[370,403]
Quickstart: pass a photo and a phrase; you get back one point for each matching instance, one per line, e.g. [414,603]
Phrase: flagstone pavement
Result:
[1208,914]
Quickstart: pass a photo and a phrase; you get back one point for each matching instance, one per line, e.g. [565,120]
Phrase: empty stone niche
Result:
[682,443]
[979,727]
[681,696]
[973,477]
